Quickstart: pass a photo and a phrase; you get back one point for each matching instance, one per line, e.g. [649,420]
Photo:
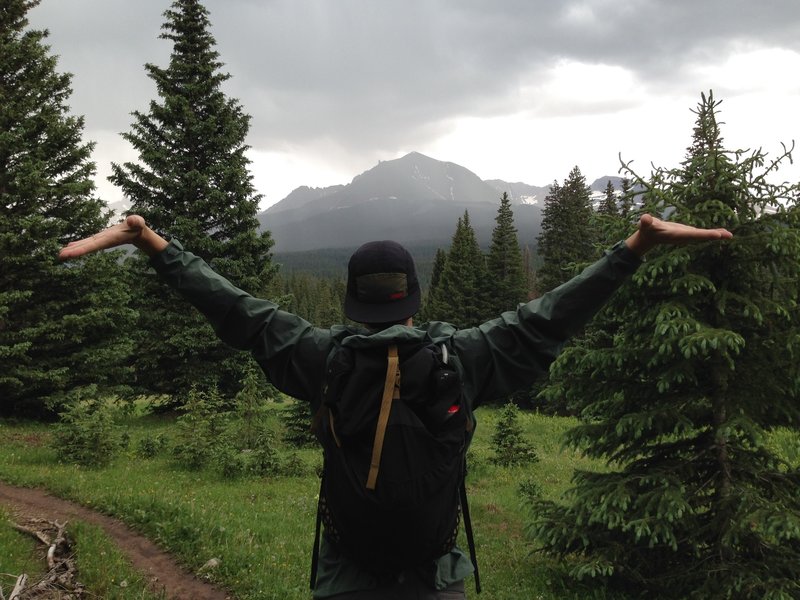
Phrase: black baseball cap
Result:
[382,284]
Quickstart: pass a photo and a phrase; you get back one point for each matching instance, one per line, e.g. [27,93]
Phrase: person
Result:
[493,359]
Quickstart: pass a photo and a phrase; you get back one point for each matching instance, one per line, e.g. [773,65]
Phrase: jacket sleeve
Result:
[509,353]
[289,349]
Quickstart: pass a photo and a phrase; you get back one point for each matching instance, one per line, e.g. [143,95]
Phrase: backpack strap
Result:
[317,532]
[468,530]
[391,391]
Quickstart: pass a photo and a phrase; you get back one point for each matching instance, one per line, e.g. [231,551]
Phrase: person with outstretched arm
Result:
[494,359]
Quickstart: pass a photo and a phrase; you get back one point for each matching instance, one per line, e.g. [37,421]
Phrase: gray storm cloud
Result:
[382,74]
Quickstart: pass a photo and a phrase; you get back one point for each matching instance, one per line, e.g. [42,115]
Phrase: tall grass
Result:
[17,554]
[261,529]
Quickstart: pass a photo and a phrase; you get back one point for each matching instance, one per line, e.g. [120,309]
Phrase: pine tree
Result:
[460,295]
[507,282]
[439,261]
[608,206]
[192,182]
[329,304]
[700,368]
[63,328]
[613,216]
[508,442]
[627,199]
[568,236]
[529,269]
[297,420]
[318,300]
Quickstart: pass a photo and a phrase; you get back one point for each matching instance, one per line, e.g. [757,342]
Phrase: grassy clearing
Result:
[262,529]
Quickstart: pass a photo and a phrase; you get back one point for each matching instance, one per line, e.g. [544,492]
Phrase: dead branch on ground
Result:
[60,580]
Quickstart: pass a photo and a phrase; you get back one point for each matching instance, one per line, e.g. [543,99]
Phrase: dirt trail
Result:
[158,566]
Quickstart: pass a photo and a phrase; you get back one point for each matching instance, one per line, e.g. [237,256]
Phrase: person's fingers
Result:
[113,236]
[75,249]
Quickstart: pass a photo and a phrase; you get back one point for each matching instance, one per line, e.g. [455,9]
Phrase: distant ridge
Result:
[415,200]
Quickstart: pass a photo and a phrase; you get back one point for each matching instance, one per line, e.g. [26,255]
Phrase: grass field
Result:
[261,529]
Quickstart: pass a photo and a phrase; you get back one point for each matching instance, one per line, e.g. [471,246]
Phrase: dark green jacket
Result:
[494,359]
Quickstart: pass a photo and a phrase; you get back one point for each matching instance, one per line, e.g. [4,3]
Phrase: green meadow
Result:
[261,529]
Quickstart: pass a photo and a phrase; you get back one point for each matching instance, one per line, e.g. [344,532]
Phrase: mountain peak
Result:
[414,199]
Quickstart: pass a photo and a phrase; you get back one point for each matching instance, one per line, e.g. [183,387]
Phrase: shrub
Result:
[151,445]
[200,429]
[529,491]
[88,434]
[294,466]
[232,463]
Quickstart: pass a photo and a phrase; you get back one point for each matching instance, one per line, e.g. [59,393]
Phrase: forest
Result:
[678,406]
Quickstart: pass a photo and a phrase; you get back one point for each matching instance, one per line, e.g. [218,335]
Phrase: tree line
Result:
[680,383]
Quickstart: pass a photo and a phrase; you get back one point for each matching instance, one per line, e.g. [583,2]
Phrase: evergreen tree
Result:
[507,282]
[610,222]
[63,328]
[436,275]
[192,182]
[318,300]
[567,237]
[460,295]
[297,420]
[330,305]
[508,442]
[530,272]
[683,393]
[251,415]
[608,206]
[627,199]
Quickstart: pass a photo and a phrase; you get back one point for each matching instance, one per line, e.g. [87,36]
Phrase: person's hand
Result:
[653,231]
[133,230]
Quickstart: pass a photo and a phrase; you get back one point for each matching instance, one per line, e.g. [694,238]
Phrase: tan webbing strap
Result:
[390,390]
[333,430]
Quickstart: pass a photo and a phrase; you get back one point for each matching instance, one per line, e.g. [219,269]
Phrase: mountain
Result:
[415,200]
[520,193]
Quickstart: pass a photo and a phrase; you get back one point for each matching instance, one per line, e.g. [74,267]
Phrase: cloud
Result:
[353,81]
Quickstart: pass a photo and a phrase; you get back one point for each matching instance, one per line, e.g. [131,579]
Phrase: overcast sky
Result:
[521,90]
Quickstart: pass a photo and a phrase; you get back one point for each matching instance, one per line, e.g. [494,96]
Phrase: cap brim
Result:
[383,312]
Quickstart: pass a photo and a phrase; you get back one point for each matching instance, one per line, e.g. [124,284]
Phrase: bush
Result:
[294,466]
[151,446]
[232,463]
[529,491]
[88,434]
[235,443]
[200,429]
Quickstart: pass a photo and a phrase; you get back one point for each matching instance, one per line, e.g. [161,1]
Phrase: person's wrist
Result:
[637,244]
[150,242]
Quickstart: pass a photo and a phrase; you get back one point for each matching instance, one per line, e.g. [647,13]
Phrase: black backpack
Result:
[394,434]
